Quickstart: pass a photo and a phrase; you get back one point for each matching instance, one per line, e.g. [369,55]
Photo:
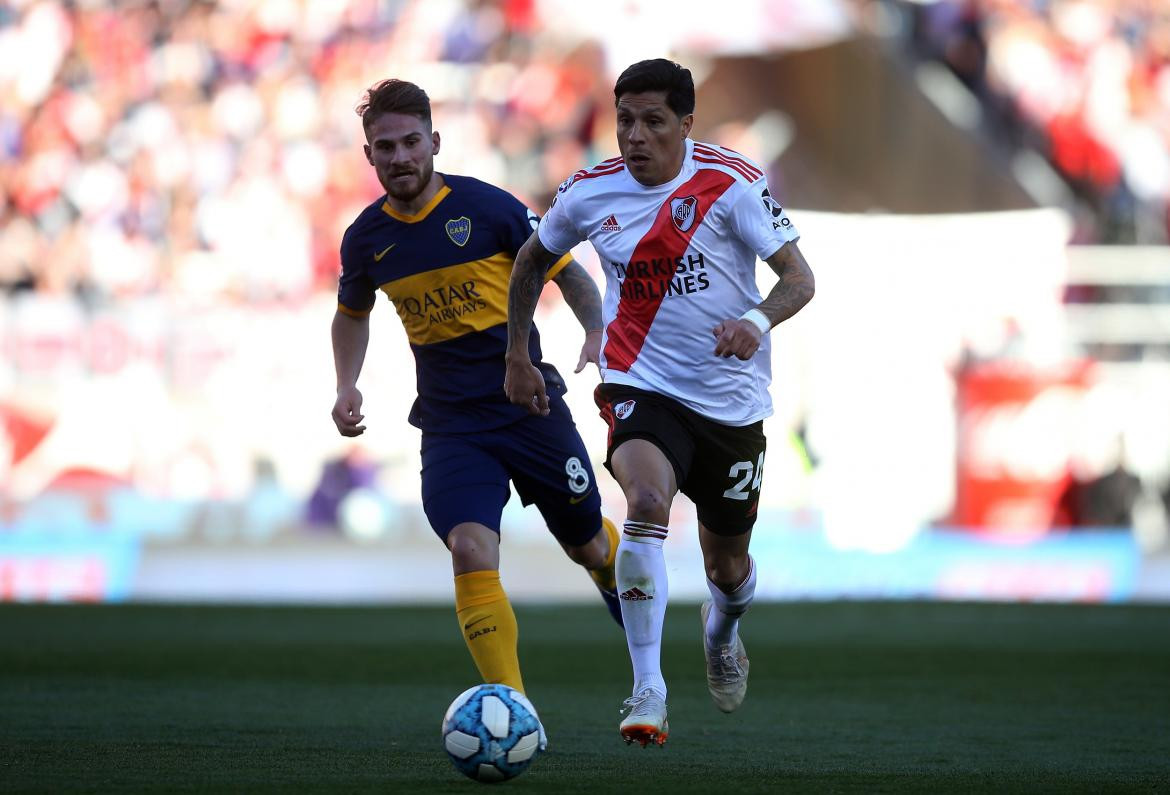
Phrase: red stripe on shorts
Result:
[606,411]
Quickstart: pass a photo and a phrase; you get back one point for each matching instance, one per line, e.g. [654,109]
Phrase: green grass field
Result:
[848,697]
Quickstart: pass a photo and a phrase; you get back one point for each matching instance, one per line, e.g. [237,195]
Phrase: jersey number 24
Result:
[744,470]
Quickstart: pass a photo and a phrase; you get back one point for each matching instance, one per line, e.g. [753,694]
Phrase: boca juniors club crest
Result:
[459,230]
[682,212]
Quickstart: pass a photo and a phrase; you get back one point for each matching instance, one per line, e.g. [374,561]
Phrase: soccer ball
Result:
[492,733]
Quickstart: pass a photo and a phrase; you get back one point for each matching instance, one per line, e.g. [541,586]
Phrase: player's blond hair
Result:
[393,96]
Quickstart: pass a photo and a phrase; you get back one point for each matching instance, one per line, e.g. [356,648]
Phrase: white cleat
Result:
[645,721]
[727,669]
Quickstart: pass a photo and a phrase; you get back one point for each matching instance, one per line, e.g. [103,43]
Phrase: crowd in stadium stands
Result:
[212,148]
[1088,81]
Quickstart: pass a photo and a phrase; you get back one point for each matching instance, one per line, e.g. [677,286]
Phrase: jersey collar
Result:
[421,214]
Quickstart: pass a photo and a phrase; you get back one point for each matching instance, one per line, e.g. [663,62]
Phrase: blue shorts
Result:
[465,476]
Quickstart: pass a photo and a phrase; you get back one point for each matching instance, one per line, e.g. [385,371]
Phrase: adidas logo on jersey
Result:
[635,595]
[610,224]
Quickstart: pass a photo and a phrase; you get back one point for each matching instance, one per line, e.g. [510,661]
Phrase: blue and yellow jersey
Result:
[446,270]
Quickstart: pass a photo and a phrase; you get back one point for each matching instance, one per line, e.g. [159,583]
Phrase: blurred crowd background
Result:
[1087,83]
[175,177]
[211,147]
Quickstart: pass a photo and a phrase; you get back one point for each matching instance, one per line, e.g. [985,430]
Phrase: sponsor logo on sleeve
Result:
[564,186]
[779,219]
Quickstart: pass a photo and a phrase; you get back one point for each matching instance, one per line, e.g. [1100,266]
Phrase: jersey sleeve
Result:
[355,289]
[519,224]
[557,231]
[760,221]
[516,222]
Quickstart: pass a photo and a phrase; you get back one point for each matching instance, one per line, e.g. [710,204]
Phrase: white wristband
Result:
[757,318]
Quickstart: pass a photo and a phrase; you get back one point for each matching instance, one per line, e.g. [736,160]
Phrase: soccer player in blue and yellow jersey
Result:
[441,247]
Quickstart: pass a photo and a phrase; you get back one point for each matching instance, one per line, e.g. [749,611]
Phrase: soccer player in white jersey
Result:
[685,366]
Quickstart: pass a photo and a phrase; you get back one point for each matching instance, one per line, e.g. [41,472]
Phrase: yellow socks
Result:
[489,626]
[605,577]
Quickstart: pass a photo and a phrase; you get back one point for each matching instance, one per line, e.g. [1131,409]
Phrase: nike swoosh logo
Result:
[471,624]
[575,500]
[382,253]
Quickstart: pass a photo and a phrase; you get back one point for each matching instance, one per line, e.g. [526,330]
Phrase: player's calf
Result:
[597,556]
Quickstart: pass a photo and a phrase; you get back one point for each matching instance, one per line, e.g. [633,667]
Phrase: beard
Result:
[407,190]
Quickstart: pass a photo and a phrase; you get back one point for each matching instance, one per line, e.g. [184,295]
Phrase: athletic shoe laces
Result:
[728,669]
[637,705]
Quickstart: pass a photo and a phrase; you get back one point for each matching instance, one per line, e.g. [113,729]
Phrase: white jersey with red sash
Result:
[679,258]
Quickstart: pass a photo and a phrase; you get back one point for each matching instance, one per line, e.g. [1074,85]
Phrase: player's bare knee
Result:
[473,548]
[466,555]
[647,504]
[590,555]
[727,571]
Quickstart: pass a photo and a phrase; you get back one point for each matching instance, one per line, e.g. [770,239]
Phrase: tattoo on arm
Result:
[581,295]
[795,287]
[524,289]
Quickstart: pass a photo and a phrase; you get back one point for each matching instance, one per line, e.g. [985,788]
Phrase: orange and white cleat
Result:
[645,720]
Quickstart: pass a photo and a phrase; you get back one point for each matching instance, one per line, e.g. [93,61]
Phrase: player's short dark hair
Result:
[393,96]
[659,74]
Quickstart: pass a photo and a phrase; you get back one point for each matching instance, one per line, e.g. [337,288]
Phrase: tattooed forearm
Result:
[581,295]
[795,288]
[524,291]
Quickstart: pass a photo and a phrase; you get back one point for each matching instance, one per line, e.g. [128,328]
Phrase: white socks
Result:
[723,621]
[642,588]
